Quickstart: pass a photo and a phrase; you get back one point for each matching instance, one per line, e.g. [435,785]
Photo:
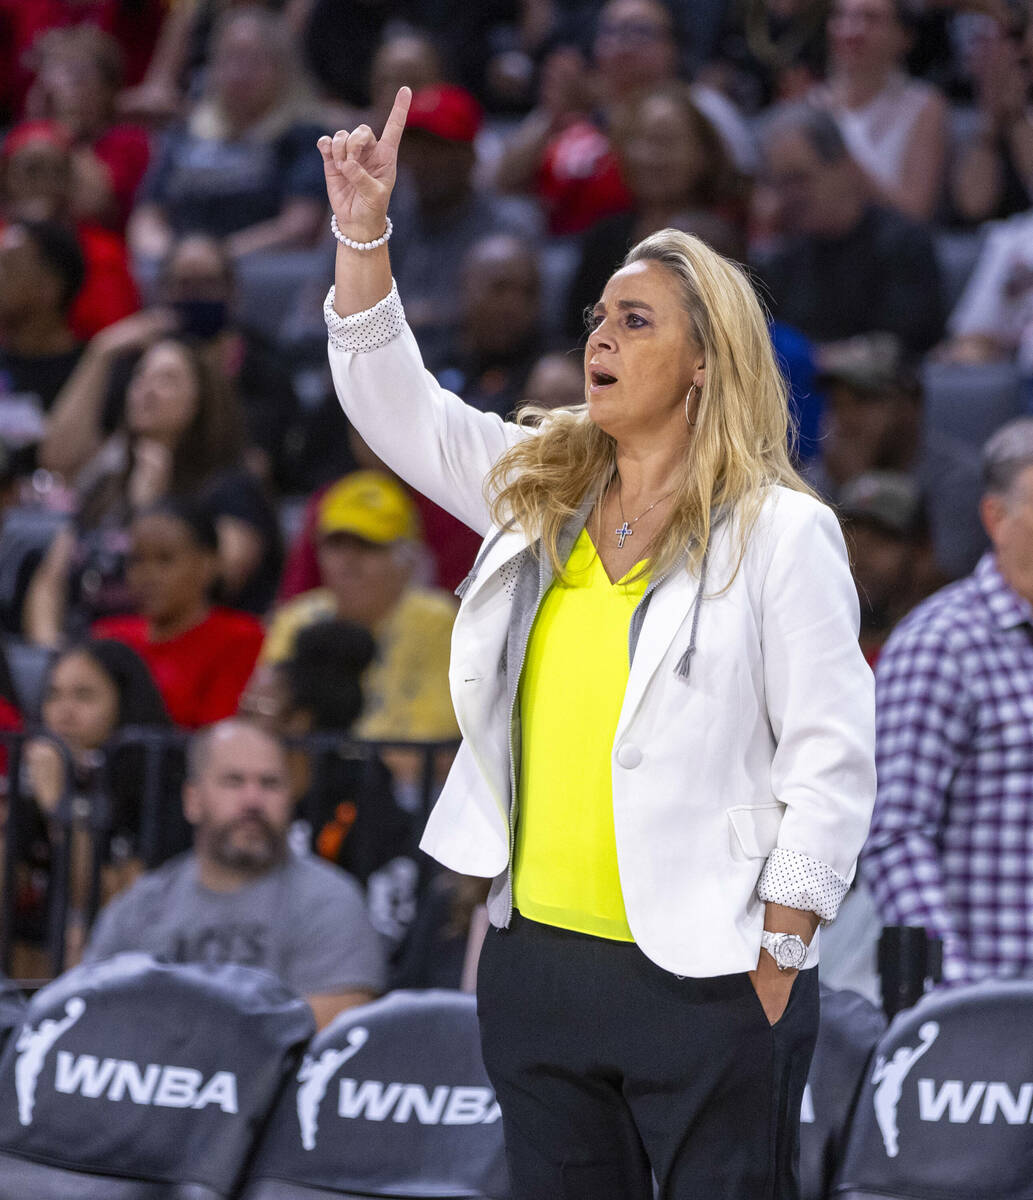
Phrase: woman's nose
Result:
[601,337]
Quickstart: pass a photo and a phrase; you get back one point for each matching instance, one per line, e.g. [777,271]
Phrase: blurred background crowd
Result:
[190,530]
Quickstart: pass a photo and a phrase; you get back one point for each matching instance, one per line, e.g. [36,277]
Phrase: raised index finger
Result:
[392,134]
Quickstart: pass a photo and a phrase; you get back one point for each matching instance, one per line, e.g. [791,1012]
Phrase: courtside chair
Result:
[945,1109]
[391,1100]
[849,1029]
[134,1080]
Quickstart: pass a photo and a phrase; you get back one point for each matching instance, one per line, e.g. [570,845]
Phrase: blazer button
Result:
[628,755]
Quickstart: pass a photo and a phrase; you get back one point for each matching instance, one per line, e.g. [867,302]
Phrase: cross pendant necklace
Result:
[625,531]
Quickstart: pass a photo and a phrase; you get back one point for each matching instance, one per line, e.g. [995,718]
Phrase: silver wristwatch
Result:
[789,950]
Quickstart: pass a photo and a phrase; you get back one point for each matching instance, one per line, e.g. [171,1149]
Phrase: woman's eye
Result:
[635,321]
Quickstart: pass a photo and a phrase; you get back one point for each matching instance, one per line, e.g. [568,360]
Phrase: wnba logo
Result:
[315,1075]
[378,1100]
[33,1046]
[889,1076]
[114,1079]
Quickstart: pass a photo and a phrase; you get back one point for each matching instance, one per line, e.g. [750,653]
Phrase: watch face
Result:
[792,951]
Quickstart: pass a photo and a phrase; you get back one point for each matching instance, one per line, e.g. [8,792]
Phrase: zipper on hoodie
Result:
[643,604]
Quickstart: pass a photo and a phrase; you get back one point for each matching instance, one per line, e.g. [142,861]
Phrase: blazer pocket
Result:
[755,827]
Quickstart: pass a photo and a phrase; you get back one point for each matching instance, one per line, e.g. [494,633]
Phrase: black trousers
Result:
[608,1069]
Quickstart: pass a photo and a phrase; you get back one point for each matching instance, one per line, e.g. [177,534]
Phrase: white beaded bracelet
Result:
[352,245]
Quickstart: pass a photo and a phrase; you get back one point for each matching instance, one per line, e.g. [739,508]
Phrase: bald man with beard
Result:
[242,895]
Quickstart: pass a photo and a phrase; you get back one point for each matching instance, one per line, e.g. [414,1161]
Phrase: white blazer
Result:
[762,761]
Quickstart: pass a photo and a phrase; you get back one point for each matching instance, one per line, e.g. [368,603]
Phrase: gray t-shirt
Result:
[305,922]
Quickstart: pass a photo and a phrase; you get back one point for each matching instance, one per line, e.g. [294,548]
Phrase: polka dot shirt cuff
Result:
[367,330]
[799,881]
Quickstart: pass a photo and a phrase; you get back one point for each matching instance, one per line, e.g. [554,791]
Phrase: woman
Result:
[39,184]
[992,174]
[676,813]
[80,72]
[180,437]
[699,190]
[195,297]
[239,168]
[562,151]
[93,690]
[199,655]
[895,126]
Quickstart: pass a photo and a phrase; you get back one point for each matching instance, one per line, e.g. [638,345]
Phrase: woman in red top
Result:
[200,656]
[39,184]
[79,74]
[135,25]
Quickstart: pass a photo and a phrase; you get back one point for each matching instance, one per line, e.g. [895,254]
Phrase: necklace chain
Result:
[625,530]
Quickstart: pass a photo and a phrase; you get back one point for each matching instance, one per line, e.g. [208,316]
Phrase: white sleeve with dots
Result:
[367,330]
[799,881]
[423,432]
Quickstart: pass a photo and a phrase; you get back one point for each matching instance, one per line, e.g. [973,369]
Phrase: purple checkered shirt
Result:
[951,840]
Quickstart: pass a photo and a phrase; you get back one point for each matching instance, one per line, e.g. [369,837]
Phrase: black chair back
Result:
[945,1109]
[135,1080]
[850,1027]
[390,1100]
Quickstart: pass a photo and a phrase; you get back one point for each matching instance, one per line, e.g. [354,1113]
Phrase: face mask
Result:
[202,318]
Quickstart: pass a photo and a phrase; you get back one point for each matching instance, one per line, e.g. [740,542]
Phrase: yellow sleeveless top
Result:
[571,691]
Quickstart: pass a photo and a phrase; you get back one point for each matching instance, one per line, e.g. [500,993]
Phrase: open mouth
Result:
[601,379]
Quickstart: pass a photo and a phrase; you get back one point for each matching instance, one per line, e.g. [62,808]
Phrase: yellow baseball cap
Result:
[370,505]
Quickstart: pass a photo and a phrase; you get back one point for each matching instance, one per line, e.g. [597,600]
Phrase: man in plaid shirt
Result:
[951,840]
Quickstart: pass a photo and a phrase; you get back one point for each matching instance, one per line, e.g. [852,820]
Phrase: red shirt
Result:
[580,179]
[10,717]
[108,292]
[200,673]
[10,722]
[125,151]
[134,26]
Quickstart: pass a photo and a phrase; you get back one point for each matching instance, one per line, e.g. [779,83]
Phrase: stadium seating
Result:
[391,1100]
[850,1027]
[25,536]
[970,401]
[269,285]
[956,254]
[944,1112]
[12,1010]
[29,666]
[135,1080]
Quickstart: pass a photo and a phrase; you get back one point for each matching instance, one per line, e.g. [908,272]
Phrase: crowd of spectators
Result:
[191,530]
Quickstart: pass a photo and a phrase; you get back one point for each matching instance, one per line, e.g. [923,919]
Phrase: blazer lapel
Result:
[668,617]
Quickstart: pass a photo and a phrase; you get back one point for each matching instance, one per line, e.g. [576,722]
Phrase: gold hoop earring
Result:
[692,387]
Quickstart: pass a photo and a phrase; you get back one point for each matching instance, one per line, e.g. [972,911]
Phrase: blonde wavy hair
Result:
[739,447]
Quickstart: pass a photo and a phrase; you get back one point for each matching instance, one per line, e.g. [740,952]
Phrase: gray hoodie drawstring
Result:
[685,662]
